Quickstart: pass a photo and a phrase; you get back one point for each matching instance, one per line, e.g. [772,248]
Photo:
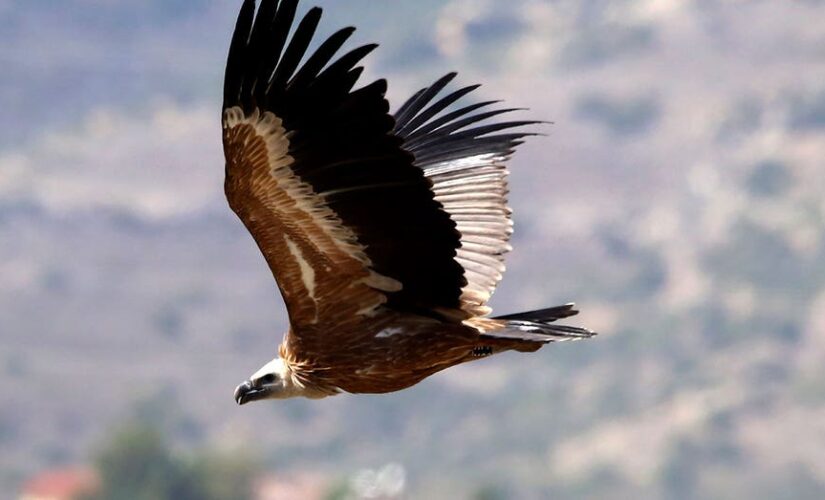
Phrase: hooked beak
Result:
[247,392]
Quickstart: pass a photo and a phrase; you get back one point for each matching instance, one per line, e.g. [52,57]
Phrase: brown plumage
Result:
[385,233]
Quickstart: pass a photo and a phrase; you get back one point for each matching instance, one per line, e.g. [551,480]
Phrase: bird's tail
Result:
[539,327]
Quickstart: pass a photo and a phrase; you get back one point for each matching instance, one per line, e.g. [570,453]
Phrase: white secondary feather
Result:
[474,192]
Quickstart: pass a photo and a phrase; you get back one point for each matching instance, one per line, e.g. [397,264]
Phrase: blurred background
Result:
[678,198]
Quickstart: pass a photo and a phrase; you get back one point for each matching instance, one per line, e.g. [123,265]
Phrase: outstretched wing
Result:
[464,157]
[344,218]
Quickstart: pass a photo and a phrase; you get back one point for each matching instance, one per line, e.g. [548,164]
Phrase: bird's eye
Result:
[268,378]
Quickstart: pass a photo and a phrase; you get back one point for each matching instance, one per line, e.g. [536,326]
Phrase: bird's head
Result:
[273,381]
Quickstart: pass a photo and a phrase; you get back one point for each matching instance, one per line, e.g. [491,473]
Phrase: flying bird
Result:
[386,232]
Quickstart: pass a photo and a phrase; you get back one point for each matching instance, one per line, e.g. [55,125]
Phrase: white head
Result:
[273,381]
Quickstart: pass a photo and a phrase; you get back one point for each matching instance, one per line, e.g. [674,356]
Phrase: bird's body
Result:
[389,353]
[386,233]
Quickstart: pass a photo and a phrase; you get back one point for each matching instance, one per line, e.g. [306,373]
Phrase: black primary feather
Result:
[343,146]
[434,139]
[414,107]
[433,110]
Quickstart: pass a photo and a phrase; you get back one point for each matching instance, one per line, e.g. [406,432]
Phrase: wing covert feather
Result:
[345,220]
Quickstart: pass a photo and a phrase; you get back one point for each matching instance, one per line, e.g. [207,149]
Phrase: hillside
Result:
[677,198]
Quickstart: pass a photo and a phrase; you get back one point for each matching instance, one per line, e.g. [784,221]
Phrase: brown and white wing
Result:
[345,219]
[466,163]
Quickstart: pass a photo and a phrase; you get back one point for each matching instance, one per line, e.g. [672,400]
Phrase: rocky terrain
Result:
[677,197]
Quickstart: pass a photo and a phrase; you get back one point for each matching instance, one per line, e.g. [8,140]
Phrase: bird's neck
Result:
[301,381]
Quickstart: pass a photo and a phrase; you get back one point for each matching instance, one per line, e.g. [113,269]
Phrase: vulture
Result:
[385,232]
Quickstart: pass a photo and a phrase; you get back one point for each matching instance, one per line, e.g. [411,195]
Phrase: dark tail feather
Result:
[537,326]
[548,315]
